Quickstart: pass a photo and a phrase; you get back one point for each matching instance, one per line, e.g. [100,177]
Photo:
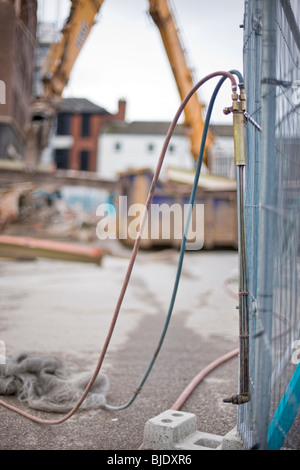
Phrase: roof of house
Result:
[160,128]
[80,106]
[143,128]
[222,130]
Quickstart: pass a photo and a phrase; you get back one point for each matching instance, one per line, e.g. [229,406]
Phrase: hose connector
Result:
[239,399]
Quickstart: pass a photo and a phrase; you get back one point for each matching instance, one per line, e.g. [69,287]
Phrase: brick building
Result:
[79,123]
[17,43]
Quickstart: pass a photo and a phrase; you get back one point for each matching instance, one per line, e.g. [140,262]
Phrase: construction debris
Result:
[38,222]
[28,210]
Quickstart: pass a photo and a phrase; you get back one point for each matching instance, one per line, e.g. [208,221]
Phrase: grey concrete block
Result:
[168,429]
[200,441]
[178,430]
[232,441]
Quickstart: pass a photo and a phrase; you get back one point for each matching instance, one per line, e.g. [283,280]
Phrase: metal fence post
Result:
[266,246]
[252,74]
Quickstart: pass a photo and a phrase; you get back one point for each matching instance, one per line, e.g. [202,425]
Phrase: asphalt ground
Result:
[64,309]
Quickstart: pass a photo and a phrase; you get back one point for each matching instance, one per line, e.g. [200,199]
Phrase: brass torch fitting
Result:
[238,109]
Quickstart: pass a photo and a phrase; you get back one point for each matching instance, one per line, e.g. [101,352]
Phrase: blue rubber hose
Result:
[183,243]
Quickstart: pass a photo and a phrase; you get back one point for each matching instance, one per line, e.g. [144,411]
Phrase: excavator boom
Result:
[63,54]
[55,75]
[164,20]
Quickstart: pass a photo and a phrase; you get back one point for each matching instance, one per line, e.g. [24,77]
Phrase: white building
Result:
[138,144]
[222,152]
[125,146]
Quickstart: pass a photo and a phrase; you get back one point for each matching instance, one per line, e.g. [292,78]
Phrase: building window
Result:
[64,124]
[85,129]
[62,158]
[171,148]
[117,146]
[84,160]
[150,148]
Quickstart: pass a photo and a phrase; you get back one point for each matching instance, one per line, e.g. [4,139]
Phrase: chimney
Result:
[120,116]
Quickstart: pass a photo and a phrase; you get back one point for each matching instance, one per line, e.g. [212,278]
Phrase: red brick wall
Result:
[17,39]
[90,143]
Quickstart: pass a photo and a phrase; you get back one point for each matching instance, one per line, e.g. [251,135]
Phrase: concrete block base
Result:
[175,430]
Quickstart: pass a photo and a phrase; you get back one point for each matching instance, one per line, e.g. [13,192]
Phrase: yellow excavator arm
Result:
[63,54]
[164,20]
[55,75]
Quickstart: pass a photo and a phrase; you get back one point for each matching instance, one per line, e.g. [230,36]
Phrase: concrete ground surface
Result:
[64,309]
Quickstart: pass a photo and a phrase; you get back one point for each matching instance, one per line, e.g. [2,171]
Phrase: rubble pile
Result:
[42,212]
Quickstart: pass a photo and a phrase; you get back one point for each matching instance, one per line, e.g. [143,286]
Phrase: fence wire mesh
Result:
[272,207]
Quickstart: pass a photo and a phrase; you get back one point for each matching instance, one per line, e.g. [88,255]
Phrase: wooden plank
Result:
[27,247]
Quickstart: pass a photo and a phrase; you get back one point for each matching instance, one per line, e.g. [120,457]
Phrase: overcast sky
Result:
[124,56]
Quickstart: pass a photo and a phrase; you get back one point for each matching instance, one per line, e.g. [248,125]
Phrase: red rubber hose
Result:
[204,372]
[133,256]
